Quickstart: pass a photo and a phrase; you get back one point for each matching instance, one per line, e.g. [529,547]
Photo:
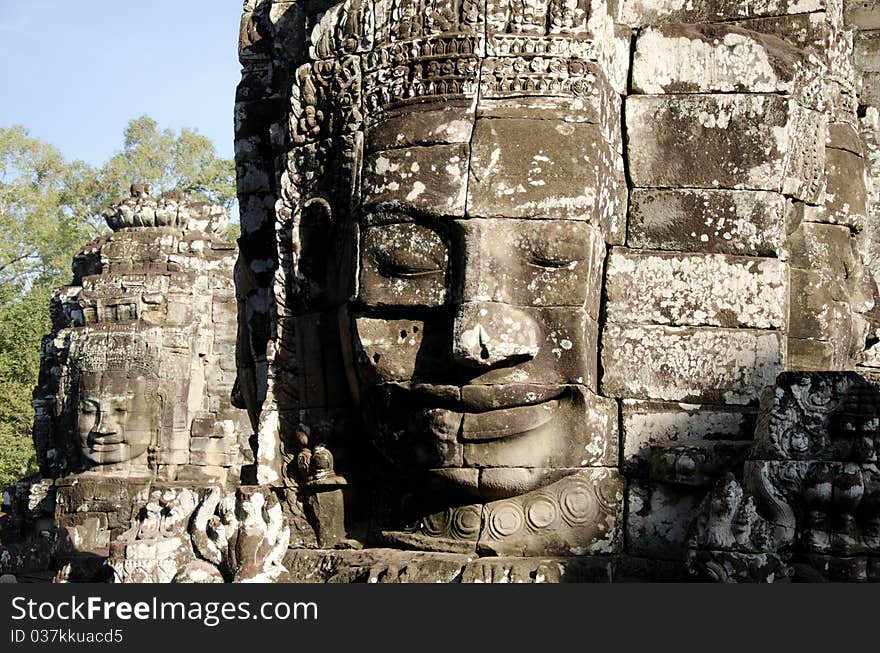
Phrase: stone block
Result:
[827,251]
[695,365]
[733,141]
[802,30]
[172,457]
[867,51]
[870,93]
[659,518]
[431,179]
[646,423]
[216,459]
[524,168]
[403,264]
[645,287]
[638,13]
[861,14]
[713,59]
[815,314]
[208,445]
[416,128]
[809,355]
[206,474]
[846,197]
[845,136]
[746,223]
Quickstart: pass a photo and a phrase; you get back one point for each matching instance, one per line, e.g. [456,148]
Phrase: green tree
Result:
[24,318]
[46,209]
[185,161]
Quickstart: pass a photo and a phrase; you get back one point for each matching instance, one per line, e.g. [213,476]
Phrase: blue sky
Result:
[75,71]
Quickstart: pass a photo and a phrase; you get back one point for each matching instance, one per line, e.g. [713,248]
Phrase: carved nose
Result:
[487,334]
[108,424]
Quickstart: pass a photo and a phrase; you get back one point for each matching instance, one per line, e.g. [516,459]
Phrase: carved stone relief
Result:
[485,296]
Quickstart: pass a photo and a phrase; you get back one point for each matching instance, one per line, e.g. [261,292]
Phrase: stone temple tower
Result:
[136,377]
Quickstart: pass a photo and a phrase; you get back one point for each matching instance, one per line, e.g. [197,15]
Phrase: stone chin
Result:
[494,483]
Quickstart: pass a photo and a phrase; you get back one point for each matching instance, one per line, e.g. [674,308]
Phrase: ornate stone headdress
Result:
[126,351]
[369,59]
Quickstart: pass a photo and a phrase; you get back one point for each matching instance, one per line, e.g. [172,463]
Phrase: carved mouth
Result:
[487,414]
[483,398]
[507,422]
[105,442]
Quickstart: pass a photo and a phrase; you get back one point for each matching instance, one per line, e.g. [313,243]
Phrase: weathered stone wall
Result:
[734,244]
[748,191]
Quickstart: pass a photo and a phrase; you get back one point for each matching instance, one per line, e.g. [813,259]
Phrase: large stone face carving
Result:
[450,188]
[463,292]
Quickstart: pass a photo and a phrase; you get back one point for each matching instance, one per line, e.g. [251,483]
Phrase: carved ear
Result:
[314,229]
[317,212]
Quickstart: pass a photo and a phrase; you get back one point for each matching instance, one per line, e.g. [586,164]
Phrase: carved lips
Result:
[518,417]
[105,441]
[504,423]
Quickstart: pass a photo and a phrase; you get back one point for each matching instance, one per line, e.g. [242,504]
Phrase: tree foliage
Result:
[49,208]
[45,209]
[24,318]
[185,162]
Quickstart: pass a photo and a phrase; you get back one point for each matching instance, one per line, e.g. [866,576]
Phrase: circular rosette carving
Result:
[437,525]
[541,511]
[578,503]
[505,520]
[466,523]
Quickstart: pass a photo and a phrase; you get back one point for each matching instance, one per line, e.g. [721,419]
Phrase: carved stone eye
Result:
[409,251]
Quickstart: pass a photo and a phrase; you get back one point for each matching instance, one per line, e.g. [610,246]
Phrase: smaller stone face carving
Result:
[115,399]
[135,380]
[117,416]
